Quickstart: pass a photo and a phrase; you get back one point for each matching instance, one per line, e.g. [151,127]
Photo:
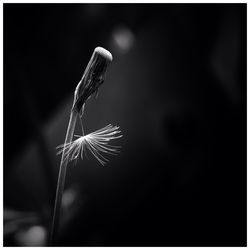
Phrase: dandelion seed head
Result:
[96,143]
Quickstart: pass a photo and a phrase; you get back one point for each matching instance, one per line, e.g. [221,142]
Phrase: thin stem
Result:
[92,78]
[61,178]
[80,118]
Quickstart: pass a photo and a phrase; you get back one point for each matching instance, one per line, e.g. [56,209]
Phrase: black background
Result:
[179,95]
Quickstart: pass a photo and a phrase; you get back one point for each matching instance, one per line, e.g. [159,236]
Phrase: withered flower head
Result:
[93,77]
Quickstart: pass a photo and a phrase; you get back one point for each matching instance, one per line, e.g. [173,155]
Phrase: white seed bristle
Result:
[96,143]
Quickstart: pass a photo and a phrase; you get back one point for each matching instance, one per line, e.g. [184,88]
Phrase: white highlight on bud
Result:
[105,53]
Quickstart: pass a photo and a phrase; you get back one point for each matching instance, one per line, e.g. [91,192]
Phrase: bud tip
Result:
[105,53]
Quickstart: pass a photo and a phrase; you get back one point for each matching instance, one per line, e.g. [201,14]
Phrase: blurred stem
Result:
[61,178]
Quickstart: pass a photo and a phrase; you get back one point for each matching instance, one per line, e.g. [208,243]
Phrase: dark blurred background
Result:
[177,89]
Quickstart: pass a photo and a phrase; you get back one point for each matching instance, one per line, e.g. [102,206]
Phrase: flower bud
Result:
[93,77]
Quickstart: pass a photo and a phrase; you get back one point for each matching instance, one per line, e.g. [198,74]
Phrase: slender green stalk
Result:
[61,178]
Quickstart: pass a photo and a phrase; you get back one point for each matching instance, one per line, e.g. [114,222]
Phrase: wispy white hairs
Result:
[96,143]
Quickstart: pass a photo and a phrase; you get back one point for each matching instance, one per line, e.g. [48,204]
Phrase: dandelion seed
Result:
[96,143]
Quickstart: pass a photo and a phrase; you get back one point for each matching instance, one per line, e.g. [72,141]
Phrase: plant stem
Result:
[61,178]
[92,78]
